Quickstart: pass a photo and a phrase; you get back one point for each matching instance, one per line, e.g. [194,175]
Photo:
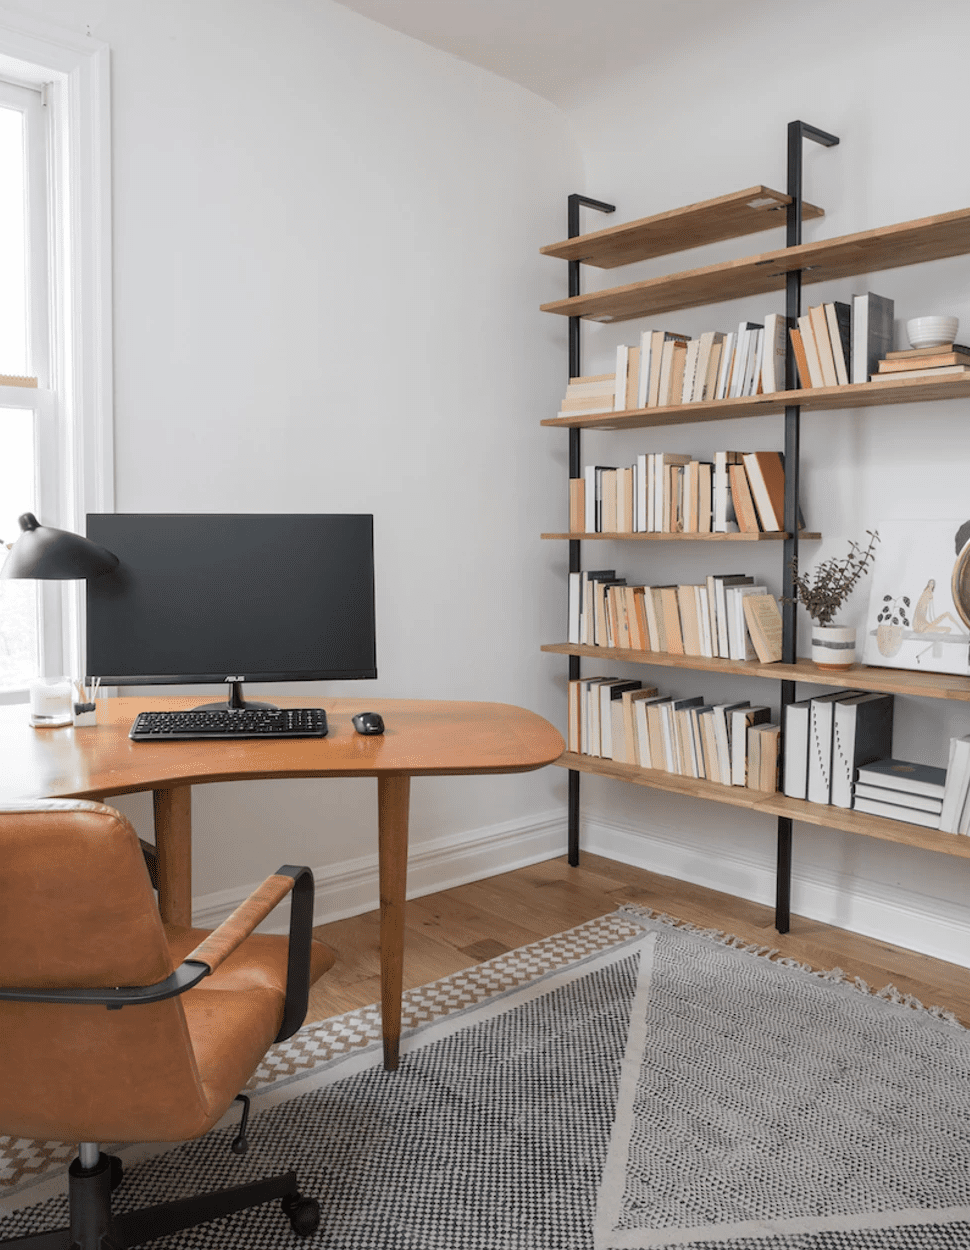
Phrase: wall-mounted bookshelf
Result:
[743,212]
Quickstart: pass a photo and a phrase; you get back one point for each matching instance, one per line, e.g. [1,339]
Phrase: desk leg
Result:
[393,794]
[173,845]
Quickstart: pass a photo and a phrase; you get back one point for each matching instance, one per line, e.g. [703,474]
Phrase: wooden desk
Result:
[422,739]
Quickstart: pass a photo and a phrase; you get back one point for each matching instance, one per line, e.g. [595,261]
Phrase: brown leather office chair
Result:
[117,1028]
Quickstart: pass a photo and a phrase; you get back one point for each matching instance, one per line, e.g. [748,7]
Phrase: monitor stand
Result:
[235,702]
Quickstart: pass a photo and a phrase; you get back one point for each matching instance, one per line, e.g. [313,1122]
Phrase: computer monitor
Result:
[232,597]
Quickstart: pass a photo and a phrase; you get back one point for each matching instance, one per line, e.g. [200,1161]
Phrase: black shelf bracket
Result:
[798,132]
[573,205]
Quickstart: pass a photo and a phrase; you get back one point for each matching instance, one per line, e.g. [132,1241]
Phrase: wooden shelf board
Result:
[760,537]
[774,805]
[870,251]
[858,677]
[709,221]
[818,399]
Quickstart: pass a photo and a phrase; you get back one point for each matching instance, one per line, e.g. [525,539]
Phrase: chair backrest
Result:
[77,909]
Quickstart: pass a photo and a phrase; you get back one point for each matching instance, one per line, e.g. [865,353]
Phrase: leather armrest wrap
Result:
[234,930]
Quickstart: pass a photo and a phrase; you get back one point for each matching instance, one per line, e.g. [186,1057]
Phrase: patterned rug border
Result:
[888,993]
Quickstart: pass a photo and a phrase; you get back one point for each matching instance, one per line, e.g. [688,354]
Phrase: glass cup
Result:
[51,702]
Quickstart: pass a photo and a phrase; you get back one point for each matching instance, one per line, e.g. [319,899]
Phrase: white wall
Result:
[708,118]
[326,298]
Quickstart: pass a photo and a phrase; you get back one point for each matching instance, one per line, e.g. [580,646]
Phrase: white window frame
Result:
[73,401]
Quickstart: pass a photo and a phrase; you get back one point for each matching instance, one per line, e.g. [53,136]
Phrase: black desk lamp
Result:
[49,554]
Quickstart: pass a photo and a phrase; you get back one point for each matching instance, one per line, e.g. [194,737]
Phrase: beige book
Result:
[752,772]
[947,370]
[823,345]
[811,351]
[656,598]
[616,617]
[689,624]
[671,620]
[628,700]
[650,611]
[586,403]
[894,363]
[16,379]
[710,747]
[609,502]
[741,498]
[632,376]
[604,384]
[763,618]
[691,486]
[624,501]
[666,368]
[768,771]
[798,347]
[713,367]
[577,505]
[705,498]
[677,371]
[574,717]
[655,730]
[591,378]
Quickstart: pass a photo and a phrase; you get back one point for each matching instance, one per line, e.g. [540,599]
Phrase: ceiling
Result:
[560,49]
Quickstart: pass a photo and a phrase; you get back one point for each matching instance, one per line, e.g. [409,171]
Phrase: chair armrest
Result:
[223,940]
[211,952]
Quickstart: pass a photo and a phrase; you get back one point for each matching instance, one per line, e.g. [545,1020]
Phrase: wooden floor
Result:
[457,928]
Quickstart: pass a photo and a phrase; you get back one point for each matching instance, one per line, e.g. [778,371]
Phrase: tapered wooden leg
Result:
[393,796]
[173,846]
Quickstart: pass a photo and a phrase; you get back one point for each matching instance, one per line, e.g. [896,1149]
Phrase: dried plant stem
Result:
[824,590]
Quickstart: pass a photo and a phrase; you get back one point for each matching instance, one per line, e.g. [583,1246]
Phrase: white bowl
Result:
[932,331]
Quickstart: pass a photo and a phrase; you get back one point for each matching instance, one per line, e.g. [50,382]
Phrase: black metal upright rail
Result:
[574,203]
[797,132]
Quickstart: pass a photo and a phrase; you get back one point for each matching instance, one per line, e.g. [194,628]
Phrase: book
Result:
[839,317]
[577,505]
[689,620]
[671,620]
[900,361]
[811,350]
[658,341]
[686,392]
[763,751]
[712,766]
[821,721]
[628,700]
[862,731]
[896,811]
[607,490]
[920,801]
[644,735]
[609,693]
[643,372]
[804,380]
[947,371]
[632,377]
[742,719]
[904,775]
[872,333]
[655,724]
[705,497]
[620,383]
[823,344]
[740,369]
[766,480]
[661,496]
[720,584]
[797,717]
[724,519]
[957,784]
[624,501]
[728,348]
[739,641]
[944,349]
[773,360]
[741,498]
[763,619]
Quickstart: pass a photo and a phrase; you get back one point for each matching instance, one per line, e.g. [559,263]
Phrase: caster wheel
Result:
[117,1172]
[304,1214]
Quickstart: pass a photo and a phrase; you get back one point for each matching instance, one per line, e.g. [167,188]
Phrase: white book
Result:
[773,360]
[957,784]
[640,494]
[575,607]
[741,721]
[705,344]
[743,345]
[820,745]
[922,802]
[589,473]
[690,371]
[754,371]
[643,381]
[795,773]
[622,365]
[723,520]
[862,731]
[724,373]
[897,812]
[721,584]
[704,617]
[643,750]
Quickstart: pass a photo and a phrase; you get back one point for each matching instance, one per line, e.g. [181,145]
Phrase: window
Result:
[55,436]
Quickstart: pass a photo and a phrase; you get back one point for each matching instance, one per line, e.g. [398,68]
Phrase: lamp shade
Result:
[50,554]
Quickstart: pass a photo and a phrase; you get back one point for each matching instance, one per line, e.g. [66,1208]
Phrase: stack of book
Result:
[839,343]
[902,791]
[728,743]
[588,396]
[955,810]
[727,616]
[951,360]
[672,493]
[829,738]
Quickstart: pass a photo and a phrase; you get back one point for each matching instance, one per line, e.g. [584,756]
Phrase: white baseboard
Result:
[351,887]
[907,918]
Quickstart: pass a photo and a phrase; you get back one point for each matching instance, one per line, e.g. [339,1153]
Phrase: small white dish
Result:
[932,331]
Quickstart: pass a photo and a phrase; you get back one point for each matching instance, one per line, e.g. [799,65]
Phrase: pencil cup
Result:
[51,702]
[85,714]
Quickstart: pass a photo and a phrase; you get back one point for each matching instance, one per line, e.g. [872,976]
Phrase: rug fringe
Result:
[888,992]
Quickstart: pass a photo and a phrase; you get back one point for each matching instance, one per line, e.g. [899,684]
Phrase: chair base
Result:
[93,1227]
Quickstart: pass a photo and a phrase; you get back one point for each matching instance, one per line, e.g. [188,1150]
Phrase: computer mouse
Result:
[369,723]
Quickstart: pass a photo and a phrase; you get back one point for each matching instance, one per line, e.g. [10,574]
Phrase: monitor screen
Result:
[216,597]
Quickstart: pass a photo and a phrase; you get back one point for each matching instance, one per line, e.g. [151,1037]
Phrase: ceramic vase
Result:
[833,646]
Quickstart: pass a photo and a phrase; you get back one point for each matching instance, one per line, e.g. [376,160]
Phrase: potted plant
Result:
[822,592]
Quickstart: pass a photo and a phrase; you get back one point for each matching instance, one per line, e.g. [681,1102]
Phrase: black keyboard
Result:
[288,722]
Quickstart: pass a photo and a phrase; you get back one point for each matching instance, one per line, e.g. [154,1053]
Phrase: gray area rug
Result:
[663,1089]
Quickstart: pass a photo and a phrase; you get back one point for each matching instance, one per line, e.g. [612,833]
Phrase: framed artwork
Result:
[912,620]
